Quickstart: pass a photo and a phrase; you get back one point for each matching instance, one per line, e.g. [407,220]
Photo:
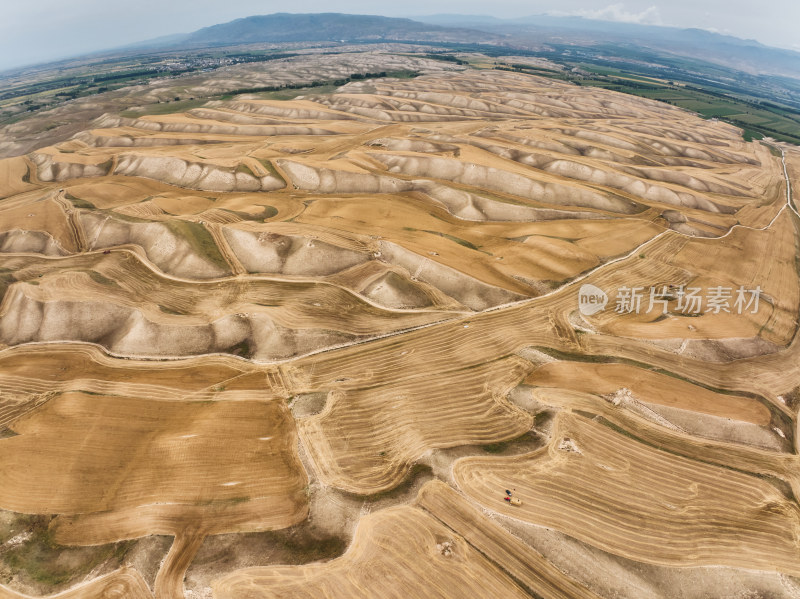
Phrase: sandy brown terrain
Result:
[659,508]
[316,62]
[339,327]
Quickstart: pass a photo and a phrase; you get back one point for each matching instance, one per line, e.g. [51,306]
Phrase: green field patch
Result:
[267,164]
[101,278]
[163,108]
[79,203]
[200,240]
[458,240]
[243,168]
[46,563]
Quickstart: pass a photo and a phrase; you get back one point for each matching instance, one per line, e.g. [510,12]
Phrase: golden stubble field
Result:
[314,341]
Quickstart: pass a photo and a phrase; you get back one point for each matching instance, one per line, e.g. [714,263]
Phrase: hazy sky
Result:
[51,29]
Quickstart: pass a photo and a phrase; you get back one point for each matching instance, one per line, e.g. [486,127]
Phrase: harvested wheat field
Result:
[429,548]
[647,504]
[304,347]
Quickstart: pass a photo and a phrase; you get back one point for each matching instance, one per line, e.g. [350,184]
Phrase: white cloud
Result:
[616,12]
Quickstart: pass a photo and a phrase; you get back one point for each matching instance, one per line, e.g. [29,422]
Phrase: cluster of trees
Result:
[320,83]
[446,58]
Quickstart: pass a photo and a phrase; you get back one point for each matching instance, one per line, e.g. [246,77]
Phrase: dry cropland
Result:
[301,348]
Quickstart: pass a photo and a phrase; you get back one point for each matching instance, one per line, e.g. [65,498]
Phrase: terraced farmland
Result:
[302,348]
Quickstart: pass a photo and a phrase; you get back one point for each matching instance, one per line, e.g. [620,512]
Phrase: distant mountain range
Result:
[531,33]
[321,27]
[536,32]
[746,55]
